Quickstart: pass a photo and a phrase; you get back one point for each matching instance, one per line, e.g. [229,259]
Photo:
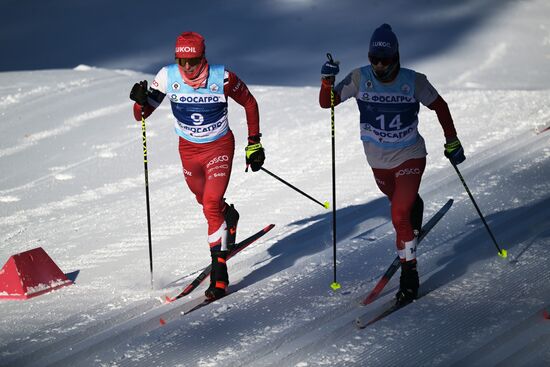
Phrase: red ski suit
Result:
[207,166]
[397,159]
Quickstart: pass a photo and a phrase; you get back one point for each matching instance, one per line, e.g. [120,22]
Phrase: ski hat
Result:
[189,45]
[383,42]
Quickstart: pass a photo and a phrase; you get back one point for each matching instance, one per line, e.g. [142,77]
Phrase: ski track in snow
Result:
[85,206]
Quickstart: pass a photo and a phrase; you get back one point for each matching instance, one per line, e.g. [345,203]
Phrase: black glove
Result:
[330,69]
[454,152]
[139,93]
[255,156]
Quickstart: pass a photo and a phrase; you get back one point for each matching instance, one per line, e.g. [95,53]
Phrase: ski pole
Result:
[325,205]
[501,252]
[335,285]
[146,171]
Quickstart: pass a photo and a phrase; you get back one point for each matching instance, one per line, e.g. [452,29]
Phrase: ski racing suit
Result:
[206,143]
[394,148]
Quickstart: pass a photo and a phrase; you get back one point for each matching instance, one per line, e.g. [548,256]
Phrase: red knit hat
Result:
[189,45]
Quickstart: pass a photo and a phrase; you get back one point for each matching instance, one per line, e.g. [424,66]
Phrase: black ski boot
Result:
[219,280]
[231,216]
[408,284]
[417,212]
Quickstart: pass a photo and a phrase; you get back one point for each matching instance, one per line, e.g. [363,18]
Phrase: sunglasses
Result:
[384,60]
[192,62]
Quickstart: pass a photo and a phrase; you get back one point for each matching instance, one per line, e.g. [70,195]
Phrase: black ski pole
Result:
[501,252]
[335,285]
[146,171]
[324,205]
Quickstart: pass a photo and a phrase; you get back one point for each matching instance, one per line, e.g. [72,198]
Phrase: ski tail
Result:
[244,243]
[206,272]
[396,262]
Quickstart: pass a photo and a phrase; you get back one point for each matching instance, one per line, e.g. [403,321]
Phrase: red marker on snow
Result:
[162,322]
[546,314]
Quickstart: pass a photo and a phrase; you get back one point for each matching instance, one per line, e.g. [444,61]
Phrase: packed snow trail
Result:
[78,192]
[308,323]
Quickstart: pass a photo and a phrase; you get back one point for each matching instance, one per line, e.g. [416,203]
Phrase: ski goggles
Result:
[191,61]
[384,60]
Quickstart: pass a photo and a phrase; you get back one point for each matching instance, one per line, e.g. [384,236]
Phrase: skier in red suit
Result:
[389,98]
[198,93]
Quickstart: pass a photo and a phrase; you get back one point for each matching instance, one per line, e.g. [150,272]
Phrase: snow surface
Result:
[72,183]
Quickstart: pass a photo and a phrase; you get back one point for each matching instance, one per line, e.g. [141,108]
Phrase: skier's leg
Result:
[218,173]
[219,279]
[417,213]
[407,182]
[404,201]
[207,169]
[385,181]
[192,171]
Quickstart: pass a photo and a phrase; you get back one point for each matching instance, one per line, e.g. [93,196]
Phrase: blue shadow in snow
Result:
[317,237]
[478,246]
[73,275]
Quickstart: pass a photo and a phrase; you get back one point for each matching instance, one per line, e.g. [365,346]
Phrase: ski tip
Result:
[326,204]
[168,299]
[335,286]
[503,253]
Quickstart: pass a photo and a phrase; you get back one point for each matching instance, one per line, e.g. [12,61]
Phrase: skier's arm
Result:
[155,96]
[324,94]
[426,93]
[444,116]
[347,88]
[429,97]
[235,88]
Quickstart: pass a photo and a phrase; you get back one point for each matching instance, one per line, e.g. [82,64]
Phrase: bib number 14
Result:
[395,123]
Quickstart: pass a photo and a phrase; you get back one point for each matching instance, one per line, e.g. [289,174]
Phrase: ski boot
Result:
[417,212]
[219,279]
[408,284]
[231,216]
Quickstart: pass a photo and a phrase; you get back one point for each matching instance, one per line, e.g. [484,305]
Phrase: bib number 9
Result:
[197,118]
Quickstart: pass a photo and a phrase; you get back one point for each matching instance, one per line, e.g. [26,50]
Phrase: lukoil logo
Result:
[381,44]
[185,49]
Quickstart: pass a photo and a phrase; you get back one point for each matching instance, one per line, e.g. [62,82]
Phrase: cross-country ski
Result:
[206,272]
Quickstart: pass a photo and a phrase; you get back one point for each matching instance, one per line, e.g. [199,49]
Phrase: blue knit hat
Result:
[383,42]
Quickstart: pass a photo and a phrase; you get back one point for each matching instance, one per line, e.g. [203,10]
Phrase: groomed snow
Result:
[72,183]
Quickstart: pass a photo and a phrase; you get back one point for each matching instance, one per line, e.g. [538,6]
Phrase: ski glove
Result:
[139,93]
[255,156]
[454,152]
[330,69]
